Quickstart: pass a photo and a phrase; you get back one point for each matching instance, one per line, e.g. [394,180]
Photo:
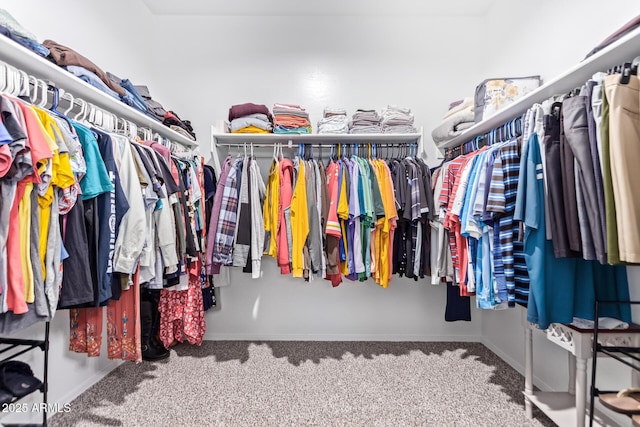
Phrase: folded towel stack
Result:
[397,120]
[459,117]
[334,120]
[290,118]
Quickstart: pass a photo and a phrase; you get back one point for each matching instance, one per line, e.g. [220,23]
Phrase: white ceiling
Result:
[319,8]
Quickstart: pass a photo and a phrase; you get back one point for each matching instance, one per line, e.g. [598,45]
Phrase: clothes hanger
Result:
[71,102]
[13,81]
[3,76]
[44,86]
[83,105]
[56,99]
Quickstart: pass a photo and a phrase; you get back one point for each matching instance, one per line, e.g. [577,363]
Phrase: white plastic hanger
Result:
[65,95]
[11,80]
[45,93]
[3,76]
[80,116]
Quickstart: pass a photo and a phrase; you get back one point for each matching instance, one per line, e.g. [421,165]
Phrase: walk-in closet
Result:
[315,214]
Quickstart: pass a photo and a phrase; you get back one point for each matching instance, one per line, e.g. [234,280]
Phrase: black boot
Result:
[154,339]
[149,351]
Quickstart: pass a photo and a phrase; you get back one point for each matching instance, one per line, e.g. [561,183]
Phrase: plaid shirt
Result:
[223,246]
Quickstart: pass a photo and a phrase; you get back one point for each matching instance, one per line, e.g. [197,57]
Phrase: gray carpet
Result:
[239,383]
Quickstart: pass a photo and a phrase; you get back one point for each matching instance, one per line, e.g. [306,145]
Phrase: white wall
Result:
[115,35]
[212,62]
[117,39]
[314,61]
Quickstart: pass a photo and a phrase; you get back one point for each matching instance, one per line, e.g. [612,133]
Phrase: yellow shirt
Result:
[271,208]
[61,176]
[390,215]
[299,222]
[250,129]
[24,214]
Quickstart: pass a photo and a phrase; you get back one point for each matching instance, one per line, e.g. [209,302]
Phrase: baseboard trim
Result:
[88,382]
[339,337]
[537,381]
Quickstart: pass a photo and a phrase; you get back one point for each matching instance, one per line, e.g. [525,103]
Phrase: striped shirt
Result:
[503,201]
[222,252]
[446,200]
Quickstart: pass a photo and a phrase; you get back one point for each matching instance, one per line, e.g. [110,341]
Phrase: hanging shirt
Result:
[284,214]
[211,267]
[222,253]
[97,180]
[270,212]
[112,207]
[299,223]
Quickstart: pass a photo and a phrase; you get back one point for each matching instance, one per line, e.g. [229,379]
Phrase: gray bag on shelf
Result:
[494,94]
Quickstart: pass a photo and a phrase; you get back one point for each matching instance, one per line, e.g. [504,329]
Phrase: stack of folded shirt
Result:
[12,29]
[365,121]
[154,108]
[459,117]
[175,123]
[250,118]
[397,120]
[132,97]
[289,118]
[334,120]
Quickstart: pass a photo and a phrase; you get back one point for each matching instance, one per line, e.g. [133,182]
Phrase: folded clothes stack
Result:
[290,118]
[459,118]
[154,108]
[365,121]
[250,118]
[334,120]
[397,120]
[132,97]
[183,127]
[12,29]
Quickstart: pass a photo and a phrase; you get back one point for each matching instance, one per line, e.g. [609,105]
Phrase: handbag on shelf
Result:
[494,94]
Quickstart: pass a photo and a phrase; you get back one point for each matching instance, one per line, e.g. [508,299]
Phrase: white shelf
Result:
[22,58]
[231,139]
[322,138]
[623,50]
[561,408]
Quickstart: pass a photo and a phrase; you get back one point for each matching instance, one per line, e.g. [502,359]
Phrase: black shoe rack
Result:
[626,354]
[11,348]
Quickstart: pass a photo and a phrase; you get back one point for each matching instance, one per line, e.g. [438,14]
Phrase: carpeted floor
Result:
[239,383]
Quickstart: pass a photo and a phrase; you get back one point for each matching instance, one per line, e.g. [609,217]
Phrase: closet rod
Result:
[308,144]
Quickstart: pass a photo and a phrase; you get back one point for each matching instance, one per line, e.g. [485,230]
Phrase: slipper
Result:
[624,402]
[17,378]
[5,397]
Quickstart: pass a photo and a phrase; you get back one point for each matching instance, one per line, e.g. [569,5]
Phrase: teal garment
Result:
[378,206]
[561,288]
[605,282]
[552,280]
[96,181]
